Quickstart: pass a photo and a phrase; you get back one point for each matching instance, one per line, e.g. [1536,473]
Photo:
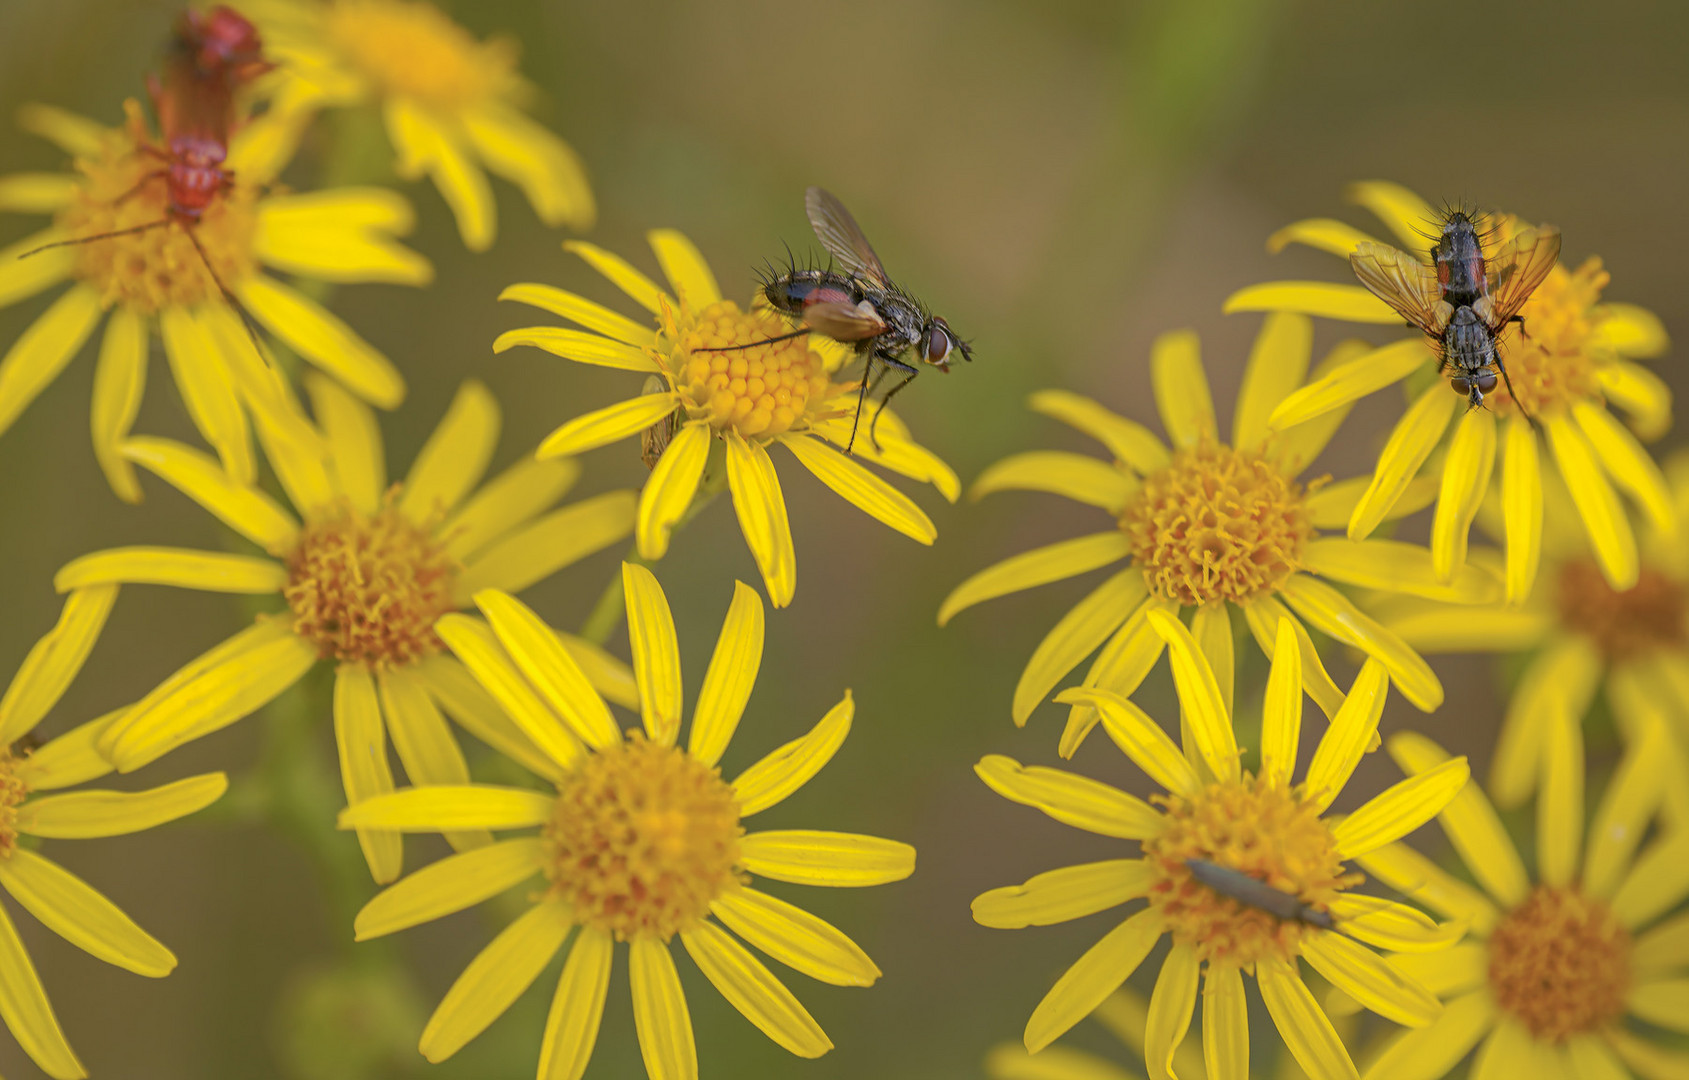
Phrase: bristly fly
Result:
[1460,299]
[858,304]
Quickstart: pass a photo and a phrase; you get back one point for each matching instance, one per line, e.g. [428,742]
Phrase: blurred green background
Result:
[1063,181]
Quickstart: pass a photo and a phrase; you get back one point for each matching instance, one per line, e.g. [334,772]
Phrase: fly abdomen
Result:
[795,290]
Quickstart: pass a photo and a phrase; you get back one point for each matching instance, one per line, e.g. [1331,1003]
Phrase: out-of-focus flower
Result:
[1556,965]
[34,804]
[1583,632]
[1126,1015]
[1574,358]
[641,841]
[1259,824]
[1208,525]
[747,399]
[365,569]
[157,278]
[451,104]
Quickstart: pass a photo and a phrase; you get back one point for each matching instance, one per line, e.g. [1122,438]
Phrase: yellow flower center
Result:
[413,50]
[1259,829]
[159,267]
[1551,363]
[367,588]
[1640,620]
[761,390]
[1560,963]
[1216,523]
[643,839]
[13,791]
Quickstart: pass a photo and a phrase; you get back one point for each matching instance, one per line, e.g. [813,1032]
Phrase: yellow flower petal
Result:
[1646,1058]
[1521,500]
[1628,463]
[1564,675]
[761,509]
[1428,1053]
[1129,441]
[364,771]
[1430,627]
[659,1012]
[1119,668]
[837,860]
[579,346]
[1332,505]
[354,438]
[54,660]
[1630,330]
[540,163]
[240,506]
[608,675]
[72,909]
[1307,1034]
[1142,739]
[1662,1002]
[867,492]
[1347,739]
[605,426]
[1423,881]
[506,503]
[694,285]
[459,694]
[1364,976]
[1627,806]
[21,278]
[791,766]
[1447,971]
[1639,392]
[1350,303]
[1092,978]
[1466,476]
[300,467]
[424,145]
[1011,1062]
[671,489]
[1040,566]
[452,884]
[1076,636]
[1181,389]
[1470,822]
[426,746]
[119,380]
[344,235]
[1225,1024]
[639,288]
[546,545]
[1281,709]
[898,454]
[37,193]
[1199,697]
[1058,896]
[1400,809]
[1560,810]
[1658,882]
[42,350]
[82,815]
[1590,1057]
[1264,613]
[731,677]
[1415,436]
[1298,447]
[1662,949]
[1277,364]
[751,988]
[494,979]
[656,654]
[577,1007]
[439,807]
[1071,799]
[583,312]
[26,1011]
[1389,925]
[1598,506]
[1170,1006]
[183,568]
[794,937]
[454,457]
[1325,234]
[1330,612]
[474,643]
[1395,566]
[550,668]
[1075,476]
[1402,212]
[70,759]
[1509,1050]
[322,339]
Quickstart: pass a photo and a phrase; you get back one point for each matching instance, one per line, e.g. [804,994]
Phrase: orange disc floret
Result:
[759,387]
[1642,619]
[13,791]
[1551,363]
[1560,963]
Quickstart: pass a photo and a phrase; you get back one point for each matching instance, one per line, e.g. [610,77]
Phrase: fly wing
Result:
[843,322]
[1402,281]
[1519,267]
[841,236]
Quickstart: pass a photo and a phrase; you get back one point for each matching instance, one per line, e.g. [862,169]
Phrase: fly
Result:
[1461,299]
[1257,894]
[858,304]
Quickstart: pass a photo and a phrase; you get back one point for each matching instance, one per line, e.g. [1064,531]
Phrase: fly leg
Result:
[754,344]
[1508,382]
[909,376]
[862,395]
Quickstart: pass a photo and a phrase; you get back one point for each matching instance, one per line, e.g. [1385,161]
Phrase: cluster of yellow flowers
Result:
[407,588]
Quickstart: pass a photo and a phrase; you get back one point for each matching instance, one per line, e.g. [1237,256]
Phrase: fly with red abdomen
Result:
[1462,298]
[858,304]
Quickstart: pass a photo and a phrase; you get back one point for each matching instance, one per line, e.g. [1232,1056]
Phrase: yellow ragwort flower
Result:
[1126,1015]
[1555,966]
[1583,633]
[157,278]
[1576,360]
[749,399]
[364,570]
[641,841]
[63,902]
[1207,525]
[1257,823]
[451,104]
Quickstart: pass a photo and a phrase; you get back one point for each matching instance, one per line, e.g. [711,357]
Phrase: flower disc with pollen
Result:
[158,267]
[1216,523]
[13,791]
[1560,963]
[366,589]
[1263,831]
[1648,616]
[413,50]
[1550,363]
[643,839]
[764,389]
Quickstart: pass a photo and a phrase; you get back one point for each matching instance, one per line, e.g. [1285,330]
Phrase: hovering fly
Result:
[1462,300]
[858,304]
